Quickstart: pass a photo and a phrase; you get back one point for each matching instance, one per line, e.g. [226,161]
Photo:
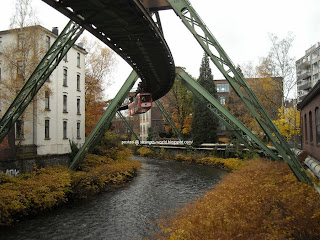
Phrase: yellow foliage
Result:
[47,187]
[262,200]
[288,122]
[145,152]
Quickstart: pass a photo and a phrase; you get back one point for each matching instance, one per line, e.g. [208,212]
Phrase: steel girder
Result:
[49,62]
[211,46]
[128,126]
[104,121]
[166,115]
[231,122]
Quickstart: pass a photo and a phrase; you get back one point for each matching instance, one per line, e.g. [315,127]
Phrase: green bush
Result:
[145,152]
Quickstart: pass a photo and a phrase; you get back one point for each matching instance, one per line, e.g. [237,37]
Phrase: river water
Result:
[126,213]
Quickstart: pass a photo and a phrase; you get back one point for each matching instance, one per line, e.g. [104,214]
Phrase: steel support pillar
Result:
[175,129]
[49,62]
[128,126]
[241,132]
[211,46]
[104,121]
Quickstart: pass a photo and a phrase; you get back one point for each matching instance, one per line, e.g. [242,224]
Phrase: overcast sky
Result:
[241,27]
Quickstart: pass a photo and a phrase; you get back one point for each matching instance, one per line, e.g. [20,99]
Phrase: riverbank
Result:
[261,200]
[46,188]
[229,164]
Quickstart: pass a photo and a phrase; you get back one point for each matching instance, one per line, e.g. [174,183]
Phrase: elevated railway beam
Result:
[127,28]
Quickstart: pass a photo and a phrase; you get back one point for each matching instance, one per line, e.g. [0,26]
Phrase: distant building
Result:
[308,71]
[224,91]
[57,114]
[310,122]
[151,120]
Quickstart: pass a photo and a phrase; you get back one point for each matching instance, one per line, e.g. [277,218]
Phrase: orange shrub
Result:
[262,200]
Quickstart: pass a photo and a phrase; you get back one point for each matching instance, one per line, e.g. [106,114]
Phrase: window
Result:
[65,103]
[20,41]
[78,82]
[0,44]
[222,100]
[47,129]
[19,129]
[48,42]
[315,66]
[65,126]
[315,77]
[305,128]
[78,106]
[222,87]
[47,100]
[310,127]
[78,59]
[78,130]
[65,77]
[65,58]
[317,118]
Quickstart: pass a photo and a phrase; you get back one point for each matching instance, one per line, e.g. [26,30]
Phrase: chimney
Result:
[55,30]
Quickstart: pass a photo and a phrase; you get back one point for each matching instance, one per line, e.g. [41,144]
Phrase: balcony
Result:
[304,75]
[304,64]
[306,85]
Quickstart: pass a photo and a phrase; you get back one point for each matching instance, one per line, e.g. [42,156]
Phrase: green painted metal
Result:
[240,131]
[175,129]
[219,57]
[104,121]
[49,62]
[128,126]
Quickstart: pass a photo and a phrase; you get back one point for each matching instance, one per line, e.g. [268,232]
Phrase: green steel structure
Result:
[49,62]
[219,57]
[232,123]
[166,115]
[105,120]
[128,126]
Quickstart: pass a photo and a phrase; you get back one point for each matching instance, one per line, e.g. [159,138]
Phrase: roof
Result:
[313,92]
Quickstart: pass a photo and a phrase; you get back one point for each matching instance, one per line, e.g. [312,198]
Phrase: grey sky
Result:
[241,27]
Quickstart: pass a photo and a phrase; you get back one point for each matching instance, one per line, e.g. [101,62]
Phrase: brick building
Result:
[310,122]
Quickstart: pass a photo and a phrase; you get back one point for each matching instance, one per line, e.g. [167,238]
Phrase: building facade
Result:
[57,114]
[151,120]
[310,122]
[308,71]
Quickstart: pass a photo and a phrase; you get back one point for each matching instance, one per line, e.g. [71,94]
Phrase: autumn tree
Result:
[178,103]
[288,122]
[21,53]
[280,62]
[204,123]
[99,63]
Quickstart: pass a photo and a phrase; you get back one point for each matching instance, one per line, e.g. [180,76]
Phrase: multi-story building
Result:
[151,120]
[308,71]
[57,114]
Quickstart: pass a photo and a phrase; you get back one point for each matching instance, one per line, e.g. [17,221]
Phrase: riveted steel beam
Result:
[238,129]
[104,121]
[128,126]
[49,62]
[211,46]
[175,129]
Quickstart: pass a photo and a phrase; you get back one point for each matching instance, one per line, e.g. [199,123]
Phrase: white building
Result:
[57,114]
[308,71]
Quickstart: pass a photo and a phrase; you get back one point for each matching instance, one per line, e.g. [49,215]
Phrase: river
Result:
[126,213]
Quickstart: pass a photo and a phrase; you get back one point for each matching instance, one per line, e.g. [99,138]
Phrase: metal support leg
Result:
[128,126]
[49,62]
[166,115]
[211,46]
[223,114]
[104,121]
